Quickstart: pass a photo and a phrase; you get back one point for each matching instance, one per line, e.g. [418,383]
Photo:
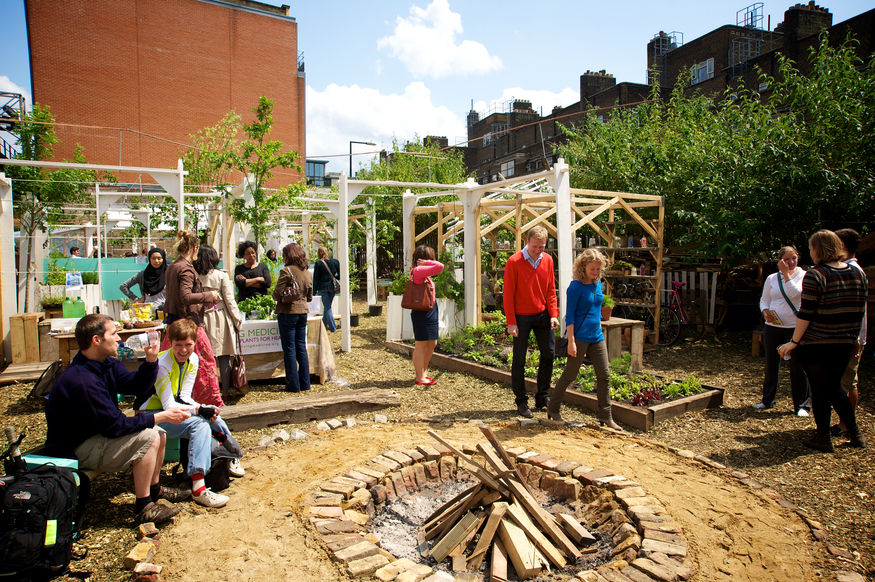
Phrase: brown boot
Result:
[821,442]
[607,420]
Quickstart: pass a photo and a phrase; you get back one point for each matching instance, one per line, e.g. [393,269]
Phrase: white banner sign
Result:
[260,336]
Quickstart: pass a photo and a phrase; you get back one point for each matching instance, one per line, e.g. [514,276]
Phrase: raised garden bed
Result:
[640,417]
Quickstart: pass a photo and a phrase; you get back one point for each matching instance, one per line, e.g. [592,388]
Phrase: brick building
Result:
[165,68]
[511,139]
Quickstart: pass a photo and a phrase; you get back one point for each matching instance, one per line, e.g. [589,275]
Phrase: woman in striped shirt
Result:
[827,326]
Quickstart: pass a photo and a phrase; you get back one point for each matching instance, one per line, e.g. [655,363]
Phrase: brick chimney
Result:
[592,82]
[803,20]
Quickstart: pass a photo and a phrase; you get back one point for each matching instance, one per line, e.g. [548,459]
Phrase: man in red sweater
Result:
[530,305]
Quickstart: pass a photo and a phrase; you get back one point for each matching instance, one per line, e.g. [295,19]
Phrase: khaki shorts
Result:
[849,378]
[114,455]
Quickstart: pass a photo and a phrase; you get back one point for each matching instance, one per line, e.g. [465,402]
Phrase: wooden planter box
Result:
[399,326]
[640,417]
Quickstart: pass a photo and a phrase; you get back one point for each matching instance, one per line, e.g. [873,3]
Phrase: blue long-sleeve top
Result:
[83,403]
[584,310]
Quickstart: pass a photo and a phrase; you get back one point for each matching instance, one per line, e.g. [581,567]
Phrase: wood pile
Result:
[502,509]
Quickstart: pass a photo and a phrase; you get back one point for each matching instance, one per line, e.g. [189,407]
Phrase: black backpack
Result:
[41,514]
[219,476]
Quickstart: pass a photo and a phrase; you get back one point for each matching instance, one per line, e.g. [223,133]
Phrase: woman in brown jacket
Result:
[292,317]
[185,297]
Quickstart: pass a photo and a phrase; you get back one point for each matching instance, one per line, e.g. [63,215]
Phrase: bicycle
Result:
[689,313]
[669,320]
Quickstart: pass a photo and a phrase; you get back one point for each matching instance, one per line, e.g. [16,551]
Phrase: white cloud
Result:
[426,44]
[541,100]
[7,86]
[340,114]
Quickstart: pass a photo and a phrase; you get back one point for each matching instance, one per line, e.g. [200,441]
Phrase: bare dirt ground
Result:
[734,532]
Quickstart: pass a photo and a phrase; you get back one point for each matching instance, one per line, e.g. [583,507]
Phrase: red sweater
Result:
[528,291]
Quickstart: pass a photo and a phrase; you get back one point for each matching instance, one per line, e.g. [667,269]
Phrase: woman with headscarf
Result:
[150,280]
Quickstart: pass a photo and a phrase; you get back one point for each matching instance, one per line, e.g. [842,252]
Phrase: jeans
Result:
[540,324]
[825,364]
[198,430]
[598,355]
[772,338]
[293,338]
[327,315]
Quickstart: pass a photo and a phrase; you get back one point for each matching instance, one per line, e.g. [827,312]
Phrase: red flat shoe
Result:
[429,383]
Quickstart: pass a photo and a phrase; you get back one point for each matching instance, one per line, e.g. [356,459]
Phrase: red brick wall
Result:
[166,68]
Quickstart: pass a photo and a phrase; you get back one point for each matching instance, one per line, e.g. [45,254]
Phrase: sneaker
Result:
[156,513]
[802,412]
[236,469]
[210,499]
[174,495]
[760,406]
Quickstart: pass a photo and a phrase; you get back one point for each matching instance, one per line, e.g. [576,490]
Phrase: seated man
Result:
[177,369]
[85,423]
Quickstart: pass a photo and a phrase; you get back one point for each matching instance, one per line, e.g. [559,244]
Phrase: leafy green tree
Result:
[746,174]
[259,156]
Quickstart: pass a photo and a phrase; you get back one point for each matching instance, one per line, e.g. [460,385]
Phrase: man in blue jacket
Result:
[84,421]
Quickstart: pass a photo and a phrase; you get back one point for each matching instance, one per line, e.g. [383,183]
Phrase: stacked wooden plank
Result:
[509,520]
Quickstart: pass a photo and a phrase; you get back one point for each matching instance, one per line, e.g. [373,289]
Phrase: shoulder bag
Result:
[418,297]
[784,293]
[238,370]
[336,284]
[292,292]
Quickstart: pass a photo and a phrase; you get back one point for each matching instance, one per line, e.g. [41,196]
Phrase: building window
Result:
[315,173]
[507,169]
[487,139]
[703,71]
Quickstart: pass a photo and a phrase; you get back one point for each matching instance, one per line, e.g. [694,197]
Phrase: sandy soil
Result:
[734,533]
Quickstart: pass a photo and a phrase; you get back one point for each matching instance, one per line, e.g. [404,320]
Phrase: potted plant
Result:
[623,266]
[607,307]
[52,306]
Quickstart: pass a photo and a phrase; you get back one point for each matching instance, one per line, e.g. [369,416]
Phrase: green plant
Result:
[399,282]
[621,265]
[56,275]
[126,303]
[445,284]
[90,278]
[621,365]
[586,379]
[263,304]
[607,301]
[51,301]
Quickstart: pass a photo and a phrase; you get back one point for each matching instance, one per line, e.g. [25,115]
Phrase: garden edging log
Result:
[639,417]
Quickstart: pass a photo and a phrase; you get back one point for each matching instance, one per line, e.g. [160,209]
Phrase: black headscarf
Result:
[153,279]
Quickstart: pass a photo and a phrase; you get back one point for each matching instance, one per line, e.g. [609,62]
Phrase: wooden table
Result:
[383,291]
[264,365]
[613,330]
[67,342]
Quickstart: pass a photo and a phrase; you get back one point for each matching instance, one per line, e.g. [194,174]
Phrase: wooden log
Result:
[508,461]
[498,567]
[495,515]
[519,515]
[459,531]
[463,545]
[306,408]
[440,530]
[575,531]
[544,519]
[520,549]
[448,507]
[28,372]
[460,564]
[479,471]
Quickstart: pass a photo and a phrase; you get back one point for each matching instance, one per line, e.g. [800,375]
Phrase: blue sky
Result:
[396,68]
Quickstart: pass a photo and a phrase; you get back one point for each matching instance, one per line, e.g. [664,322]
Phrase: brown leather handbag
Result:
[418,297]
[238,370]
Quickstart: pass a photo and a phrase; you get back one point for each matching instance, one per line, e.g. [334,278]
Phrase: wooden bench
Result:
[756,343]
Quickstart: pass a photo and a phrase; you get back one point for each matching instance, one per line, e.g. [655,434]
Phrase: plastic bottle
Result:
[643,242]
[79,307]
[631,241]
[69,308]
[642,270]
[141,340]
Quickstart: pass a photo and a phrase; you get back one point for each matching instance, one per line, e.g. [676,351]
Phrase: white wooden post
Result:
[471,199]
[371,247]
[348,193]
[8,284]
[561,183]
[408,206]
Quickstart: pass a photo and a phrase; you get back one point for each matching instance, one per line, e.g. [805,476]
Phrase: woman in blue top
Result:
[583,320]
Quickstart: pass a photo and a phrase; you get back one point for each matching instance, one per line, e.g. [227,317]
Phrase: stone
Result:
[145,578]
[336,527]
[154,540]
[752,483]
[664,548]
[515,452]
[146,530]
[550,422]
[368,480]
[387,462]
[442,449]
[323,426]
[347,481]
[624,531]
[390,489]
[390,571]
[526,456]
[621,483]
[398,482]
[409,476]
[566,467]
[589,576]
[683,572]
[839,552]
[399,458]
[548,480]
[430,453]
[686,454]
[661,526]
[534,477]
[142,552]
[590,477]
[366,566]
[356,551]
[817,534]
[448,468]
[415,573]
[630,542]
[439,577]
[654,570]
[147,568]
[634,574]
[573,488]
[603,482]
[265,441]
[415,455]
[420,476]
[378,493]
[349,422]
[432,470]
[334,487]
[846,576]
[612,574]
[326,512]
[526,422]
[381,418]
[334,424]
[340,541]
[630,492]
[661,536]
[581,470]
[297,434]
[378,471]
[356,517]
[643,512]
[280,436]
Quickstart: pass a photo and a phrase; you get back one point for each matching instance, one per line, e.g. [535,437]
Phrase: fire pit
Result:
[479,513]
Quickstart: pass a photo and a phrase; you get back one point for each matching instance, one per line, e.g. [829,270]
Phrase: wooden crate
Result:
[25,337]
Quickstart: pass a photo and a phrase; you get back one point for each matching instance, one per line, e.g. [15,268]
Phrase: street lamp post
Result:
[370,143]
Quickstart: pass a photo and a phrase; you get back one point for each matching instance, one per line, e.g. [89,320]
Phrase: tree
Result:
[258,157]
[745,175]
